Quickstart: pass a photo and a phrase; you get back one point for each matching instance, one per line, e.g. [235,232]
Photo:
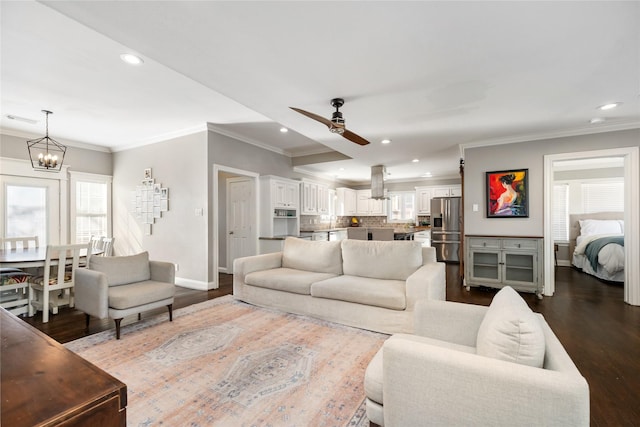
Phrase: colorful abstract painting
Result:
[508,194]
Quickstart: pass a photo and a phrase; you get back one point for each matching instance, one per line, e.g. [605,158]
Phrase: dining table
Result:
[31,257]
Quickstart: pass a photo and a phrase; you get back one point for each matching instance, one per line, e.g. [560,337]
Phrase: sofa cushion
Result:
[286,279]
[318,256]
[379,293]
[121,270]
[511,331]
[141,293]
[395,260]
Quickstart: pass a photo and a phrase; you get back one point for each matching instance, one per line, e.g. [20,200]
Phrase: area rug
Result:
[226,363]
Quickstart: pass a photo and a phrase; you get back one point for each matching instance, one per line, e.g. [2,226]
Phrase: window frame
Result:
[403,193]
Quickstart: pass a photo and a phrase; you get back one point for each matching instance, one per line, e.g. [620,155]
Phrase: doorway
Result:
[631,215]
[219,247]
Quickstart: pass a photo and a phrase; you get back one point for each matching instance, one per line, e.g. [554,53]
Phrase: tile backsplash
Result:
[323,222]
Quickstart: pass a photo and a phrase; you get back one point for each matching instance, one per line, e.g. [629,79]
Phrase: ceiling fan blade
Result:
[354,138]
[313,116]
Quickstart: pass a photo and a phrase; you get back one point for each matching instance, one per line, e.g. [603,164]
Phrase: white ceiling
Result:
[428,75]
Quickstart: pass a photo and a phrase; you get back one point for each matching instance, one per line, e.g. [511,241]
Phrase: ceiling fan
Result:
[336,124]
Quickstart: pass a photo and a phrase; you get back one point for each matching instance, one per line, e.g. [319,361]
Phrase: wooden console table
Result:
[44,384]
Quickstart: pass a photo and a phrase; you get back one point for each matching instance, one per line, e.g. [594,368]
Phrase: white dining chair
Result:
[107,246]
[19,242]
[55,287]
[96,242]
[381,233]
[357,233]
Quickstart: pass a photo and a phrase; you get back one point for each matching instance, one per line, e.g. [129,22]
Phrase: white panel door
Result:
[240,211]
[30,207]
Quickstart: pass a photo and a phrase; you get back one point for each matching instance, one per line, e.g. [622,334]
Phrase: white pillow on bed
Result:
[589,227]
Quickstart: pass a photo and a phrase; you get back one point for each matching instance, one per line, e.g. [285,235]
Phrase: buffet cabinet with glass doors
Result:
[496,262]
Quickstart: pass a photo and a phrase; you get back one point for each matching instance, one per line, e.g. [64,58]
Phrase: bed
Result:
[596,241]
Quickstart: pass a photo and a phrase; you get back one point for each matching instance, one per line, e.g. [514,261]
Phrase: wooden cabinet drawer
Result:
[484,243]
[522,244]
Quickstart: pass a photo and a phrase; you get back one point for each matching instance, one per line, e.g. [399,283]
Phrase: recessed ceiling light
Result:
[427,175]
[609,106]
[597,120]
[385,141]
[131,59]
[415,160]
[284,130]
[341,169]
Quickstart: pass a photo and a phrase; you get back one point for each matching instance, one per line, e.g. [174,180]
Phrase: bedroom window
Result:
[603,197]
[560,213]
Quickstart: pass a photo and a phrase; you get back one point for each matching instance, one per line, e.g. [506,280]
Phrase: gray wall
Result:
[525,155]
[180,236]
[229,152]
[78,159]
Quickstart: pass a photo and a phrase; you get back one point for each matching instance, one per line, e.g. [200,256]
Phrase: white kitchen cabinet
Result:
[284,194]
[315,198]
[346,201]
[423,200]
[309,198]
[500,261]
[279,206]
[366,206]
[425,194]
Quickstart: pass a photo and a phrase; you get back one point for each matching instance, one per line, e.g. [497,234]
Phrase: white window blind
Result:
[91,210]
[560,214]
[603,197]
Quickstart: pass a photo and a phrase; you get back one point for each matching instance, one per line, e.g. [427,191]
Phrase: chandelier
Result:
[46,153]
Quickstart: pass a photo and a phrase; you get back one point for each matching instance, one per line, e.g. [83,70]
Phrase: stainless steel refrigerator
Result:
[446,224]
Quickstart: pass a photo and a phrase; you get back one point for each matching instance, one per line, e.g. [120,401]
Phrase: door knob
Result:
[231,232]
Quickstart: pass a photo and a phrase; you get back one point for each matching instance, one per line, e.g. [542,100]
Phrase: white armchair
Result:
[438,377]
[119,286]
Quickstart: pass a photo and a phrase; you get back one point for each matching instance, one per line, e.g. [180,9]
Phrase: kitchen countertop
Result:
[325,230]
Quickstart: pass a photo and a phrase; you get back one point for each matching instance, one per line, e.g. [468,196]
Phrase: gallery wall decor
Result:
[149,200]
[508,193]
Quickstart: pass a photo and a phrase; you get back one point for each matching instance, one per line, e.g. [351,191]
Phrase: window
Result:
[560,214]
[603,197]
[26,212]
[401,206]
[90,206]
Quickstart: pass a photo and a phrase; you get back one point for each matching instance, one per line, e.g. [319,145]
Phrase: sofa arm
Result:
[448,321]
[91,292]
[423,382]
[429,282]
[163,271]
[246,265]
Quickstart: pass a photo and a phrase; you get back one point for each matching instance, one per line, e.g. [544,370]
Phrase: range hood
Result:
[377,182]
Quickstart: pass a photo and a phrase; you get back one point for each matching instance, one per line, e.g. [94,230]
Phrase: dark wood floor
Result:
[599,331]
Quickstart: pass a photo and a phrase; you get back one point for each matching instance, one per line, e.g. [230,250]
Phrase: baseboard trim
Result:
[195,284]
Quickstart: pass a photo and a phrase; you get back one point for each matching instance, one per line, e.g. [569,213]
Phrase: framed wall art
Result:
[508,193]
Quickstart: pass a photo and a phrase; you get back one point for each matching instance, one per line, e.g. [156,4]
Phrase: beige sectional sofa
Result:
[372,285]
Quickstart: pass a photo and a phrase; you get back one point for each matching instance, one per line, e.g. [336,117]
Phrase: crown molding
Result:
[67,142]
[594,129]
[225,132]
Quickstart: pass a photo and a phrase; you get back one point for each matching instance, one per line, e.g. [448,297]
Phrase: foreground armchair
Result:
[476,365]
[119,286]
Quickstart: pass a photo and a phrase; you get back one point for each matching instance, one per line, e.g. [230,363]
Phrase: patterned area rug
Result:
[227,363]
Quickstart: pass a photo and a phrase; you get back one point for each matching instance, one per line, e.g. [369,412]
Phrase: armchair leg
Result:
[117,328]
[86,321]
[170,307]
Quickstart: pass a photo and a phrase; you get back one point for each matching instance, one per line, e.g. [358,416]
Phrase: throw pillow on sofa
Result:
[511,331]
